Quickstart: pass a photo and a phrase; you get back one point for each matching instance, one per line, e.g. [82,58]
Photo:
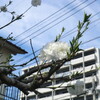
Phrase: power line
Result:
[81,44]
[56,24]
[45,18]
[72,30]
[91,40]
[41,28]
[53,22]
[84,43]
[63,37]
[66,34]
[40,48]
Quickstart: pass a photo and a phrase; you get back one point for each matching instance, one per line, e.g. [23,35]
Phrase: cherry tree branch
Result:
[17,18]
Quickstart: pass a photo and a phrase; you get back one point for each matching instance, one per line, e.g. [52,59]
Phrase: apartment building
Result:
[86,62]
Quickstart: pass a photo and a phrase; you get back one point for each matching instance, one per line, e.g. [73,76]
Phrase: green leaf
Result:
[63,29]
[86,17]
[82,27]
[59,36]
[79,25]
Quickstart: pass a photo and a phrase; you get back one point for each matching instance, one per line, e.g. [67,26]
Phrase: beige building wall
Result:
[4,55]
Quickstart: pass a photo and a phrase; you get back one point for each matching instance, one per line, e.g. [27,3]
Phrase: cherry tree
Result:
[53,55]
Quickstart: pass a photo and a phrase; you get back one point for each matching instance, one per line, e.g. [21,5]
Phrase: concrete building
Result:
[6,49]
[87,62]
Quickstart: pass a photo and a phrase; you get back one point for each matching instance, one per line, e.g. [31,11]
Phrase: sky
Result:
[43,23]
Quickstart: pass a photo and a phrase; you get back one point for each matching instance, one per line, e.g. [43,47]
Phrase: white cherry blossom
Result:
[35,3]
[54,51]
[77,89]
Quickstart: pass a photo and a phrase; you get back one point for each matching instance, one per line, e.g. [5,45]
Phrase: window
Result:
[89,97]
[46,84]
[88,85]
[62,70]
[47,94]
[77,65]
[90,73]
[61,91]
[31,97]
[86,53]
[87,74]
[87,63]
[89,52]
[59,81]
[91,62]
[78,56]
[79,98]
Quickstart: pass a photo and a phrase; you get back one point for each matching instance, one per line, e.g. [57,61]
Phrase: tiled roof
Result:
[12,47]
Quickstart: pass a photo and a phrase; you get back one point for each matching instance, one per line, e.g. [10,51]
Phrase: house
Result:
[88,63]
[6,49]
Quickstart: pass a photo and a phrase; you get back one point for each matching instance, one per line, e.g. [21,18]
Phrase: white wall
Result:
[4,55]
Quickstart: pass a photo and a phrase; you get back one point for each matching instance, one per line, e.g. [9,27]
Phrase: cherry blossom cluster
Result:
[54,51]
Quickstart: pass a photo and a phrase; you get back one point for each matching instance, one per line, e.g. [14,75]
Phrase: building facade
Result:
[6,50]
[86,62]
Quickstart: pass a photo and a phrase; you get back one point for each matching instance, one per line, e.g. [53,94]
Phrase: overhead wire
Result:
[45,19]
[53,22]
[91,40]
[25,10]
[30,53]
[61,38]
[71,31]
[81,44]
[64,37]
[38,30]
[53,25]
[37,50]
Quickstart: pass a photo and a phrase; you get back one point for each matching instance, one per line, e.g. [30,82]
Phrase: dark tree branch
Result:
[37,83]
[21,65]
[5,70]
[12,82]
[1,82]
[26,85]
[43,66]
[17,18]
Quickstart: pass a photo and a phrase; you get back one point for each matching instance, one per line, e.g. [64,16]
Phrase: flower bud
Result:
[35,3]
[3,8]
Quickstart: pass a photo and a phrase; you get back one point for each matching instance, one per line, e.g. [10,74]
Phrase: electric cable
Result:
[40,48]
[52,22]
[45,19]
[81,44]
[64,37]
[53,25]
